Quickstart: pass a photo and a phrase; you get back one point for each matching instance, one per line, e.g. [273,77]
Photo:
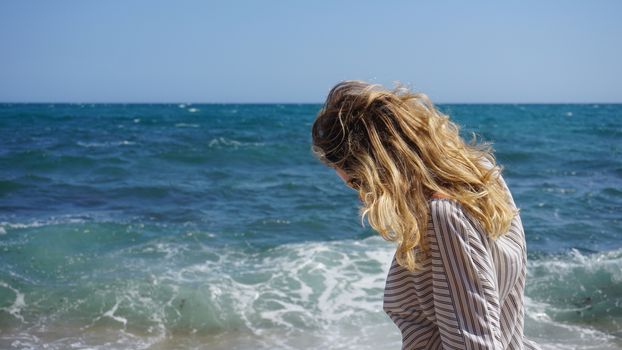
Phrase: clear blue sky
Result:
[294,51]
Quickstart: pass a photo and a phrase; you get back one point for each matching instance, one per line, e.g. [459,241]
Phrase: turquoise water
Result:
[212,226]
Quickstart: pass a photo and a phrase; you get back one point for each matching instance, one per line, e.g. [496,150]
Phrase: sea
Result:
[213,226]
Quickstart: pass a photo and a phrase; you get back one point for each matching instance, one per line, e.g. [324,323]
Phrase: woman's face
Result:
[342,174]
[349,182]
[352,183]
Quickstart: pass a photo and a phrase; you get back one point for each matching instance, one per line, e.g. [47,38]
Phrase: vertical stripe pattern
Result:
[469,292]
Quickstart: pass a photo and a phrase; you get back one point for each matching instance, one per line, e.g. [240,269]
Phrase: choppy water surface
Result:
[212,226]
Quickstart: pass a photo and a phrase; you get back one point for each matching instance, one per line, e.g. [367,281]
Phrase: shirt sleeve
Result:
[466,300]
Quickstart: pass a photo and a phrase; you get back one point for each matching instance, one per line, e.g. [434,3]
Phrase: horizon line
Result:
[295,103]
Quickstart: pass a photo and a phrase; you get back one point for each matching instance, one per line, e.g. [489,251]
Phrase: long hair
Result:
[400,149]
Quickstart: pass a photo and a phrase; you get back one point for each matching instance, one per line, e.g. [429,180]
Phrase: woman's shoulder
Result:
[448,216]
[444,207]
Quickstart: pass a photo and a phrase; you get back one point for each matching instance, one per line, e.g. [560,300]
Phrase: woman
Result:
[457,277]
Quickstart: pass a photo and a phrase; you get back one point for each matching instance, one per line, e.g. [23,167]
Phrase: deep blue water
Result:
[212,226]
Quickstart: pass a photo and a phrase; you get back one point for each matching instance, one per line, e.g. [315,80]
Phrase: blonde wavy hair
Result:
[399,150]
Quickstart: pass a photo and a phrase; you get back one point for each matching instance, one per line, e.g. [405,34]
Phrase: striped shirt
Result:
[469,292]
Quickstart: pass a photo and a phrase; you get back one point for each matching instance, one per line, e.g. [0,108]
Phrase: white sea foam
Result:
[222,142]
[41,223]
[555,335]
[111,314]
[310,295]
[86,217]
[18,304]
[186,125]
[297,296]
[568,286]
[320,294]
[569,264]
[105,144]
